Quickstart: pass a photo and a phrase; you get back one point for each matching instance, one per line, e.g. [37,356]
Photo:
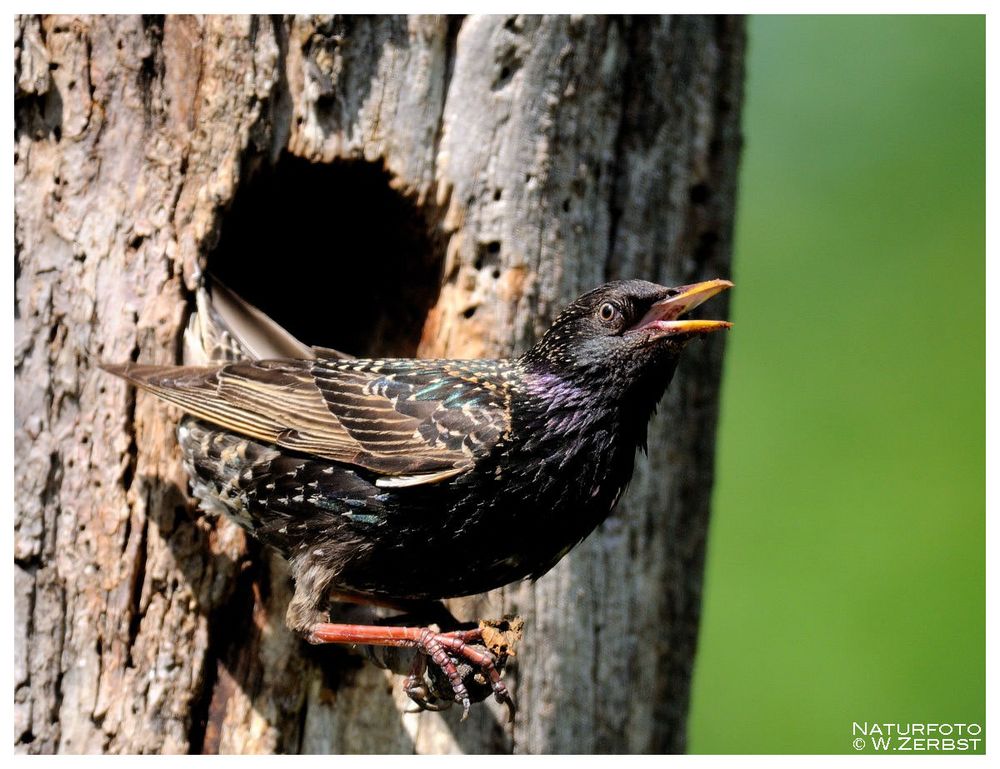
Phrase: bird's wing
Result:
[410,421]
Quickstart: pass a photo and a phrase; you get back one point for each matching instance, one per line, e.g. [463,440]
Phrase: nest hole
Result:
[333,253]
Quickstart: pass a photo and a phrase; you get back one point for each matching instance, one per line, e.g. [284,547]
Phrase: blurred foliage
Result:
[846,565]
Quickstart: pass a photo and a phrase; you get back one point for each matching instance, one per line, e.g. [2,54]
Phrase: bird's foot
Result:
[418,690]
[424,690]
[447,651]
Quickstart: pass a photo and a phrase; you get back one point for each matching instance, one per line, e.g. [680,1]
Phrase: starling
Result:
[401,481]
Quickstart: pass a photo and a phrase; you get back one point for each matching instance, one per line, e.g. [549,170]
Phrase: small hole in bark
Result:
[705,248]
[487,255]
[497,194]
[566,205]
[700,193]
[510,60]
[333,253]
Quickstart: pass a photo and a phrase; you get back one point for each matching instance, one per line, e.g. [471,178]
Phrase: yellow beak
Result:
[662,316]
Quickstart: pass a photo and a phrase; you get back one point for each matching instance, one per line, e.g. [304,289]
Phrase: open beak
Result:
[662,317]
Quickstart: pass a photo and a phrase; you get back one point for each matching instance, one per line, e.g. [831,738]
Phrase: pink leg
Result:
[439,647]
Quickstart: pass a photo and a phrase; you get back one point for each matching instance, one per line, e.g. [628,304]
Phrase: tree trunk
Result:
[390,186]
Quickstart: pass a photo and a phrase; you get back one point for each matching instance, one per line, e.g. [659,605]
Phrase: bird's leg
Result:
[447,650]
[442,648]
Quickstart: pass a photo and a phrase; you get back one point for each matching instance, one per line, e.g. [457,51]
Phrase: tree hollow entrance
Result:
[333,253]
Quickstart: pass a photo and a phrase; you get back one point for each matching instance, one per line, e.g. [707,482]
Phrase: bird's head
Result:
[624,336]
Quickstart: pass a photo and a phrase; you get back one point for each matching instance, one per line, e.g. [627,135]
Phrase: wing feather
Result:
[412,422]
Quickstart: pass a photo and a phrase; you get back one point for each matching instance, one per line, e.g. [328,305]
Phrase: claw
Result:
[418,691]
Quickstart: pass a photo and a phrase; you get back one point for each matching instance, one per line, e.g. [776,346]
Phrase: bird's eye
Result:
[608,312]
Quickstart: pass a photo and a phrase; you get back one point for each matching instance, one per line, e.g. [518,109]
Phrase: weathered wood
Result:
[545,155]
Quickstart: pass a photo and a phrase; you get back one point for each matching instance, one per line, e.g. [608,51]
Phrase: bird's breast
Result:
[557,488]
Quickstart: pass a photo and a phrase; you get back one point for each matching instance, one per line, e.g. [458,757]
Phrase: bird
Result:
[404,481]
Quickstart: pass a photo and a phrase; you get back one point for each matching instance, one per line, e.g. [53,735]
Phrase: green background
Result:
[846,564]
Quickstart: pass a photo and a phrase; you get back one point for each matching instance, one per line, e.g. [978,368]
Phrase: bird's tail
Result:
[225,327]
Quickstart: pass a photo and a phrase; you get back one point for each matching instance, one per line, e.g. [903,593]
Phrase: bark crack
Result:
[138,580]
[450,52]
[618,165]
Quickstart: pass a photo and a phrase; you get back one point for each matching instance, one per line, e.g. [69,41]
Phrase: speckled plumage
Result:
[422,479]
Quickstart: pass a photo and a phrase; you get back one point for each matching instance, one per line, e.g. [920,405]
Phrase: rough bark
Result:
[535,157]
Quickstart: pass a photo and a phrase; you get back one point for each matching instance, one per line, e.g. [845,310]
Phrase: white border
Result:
[708,6]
